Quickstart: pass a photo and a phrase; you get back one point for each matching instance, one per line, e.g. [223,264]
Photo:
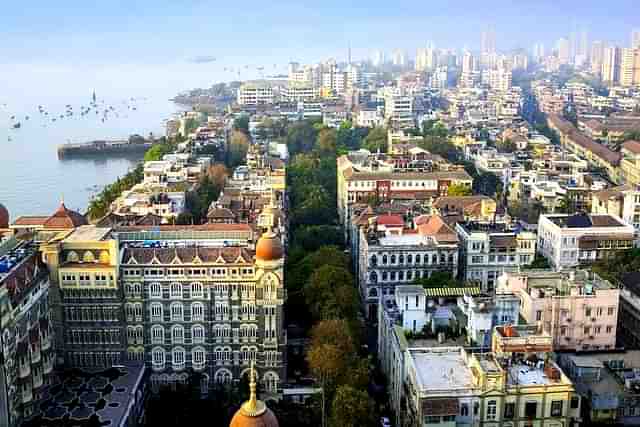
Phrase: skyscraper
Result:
[538,52]
[399,58]
[488,41]
[630,67]
[564,50]
[597,55]
[635,38]
[611,65]
[378,58]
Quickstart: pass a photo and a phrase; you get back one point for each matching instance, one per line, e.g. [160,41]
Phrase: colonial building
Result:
[489,249]
[26,336]
[362,178]
[622,201]
[391,253]
[193,303]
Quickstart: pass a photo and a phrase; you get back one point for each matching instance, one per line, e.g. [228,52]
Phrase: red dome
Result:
[4,217]
[269,247]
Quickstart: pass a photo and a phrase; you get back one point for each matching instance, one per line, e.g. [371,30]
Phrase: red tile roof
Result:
[633,146]
[390,220]
[65,218]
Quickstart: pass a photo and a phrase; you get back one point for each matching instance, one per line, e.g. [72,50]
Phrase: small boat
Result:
[17,125]
[26,117]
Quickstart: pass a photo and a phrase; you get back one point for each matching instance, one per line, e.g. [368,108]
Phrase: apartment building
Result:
[391,253]
[26,333]
[581,239]
[622,201]
[470,208]
[256,93]
[630,162]
[360,178]
[488,250]
[579,309]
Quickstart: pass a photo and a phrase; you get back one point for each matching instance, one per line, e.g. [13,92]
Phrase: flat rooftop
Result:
[521,374]
[443,369]
[585,221]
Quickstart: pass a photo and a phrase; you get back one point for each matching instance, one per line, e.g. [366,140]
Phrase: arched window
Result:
[177,334]
[156,311]
[223,376]
[198,357]
[373,292]
[177,312]
[72,256]
[374,260]
[129,309]
[155,290]
[178,356]
[227,354]
[197,334]
[197,312]
[197,290]
[393,259]
[157,356]
[175,291]
[88,257]
[409,259]
[373,277]
[271,381]
[137,309]
[417,258]
[157,334]
[384,276]
[401,259]
[384,259]
[104,257]
[218,354]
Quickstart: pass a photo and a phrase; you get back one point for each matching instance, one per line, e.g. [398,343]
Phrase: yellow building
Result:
[630,162]
[517,385]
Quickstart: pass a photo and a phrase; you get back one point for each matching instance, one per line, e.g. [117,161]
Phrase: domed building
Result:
[4,217]
[64,219]
[254,412]
[269,247]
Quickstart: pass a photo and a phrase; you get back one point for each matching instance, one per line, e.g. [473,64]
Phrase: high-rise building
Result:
[630,67]
[564,50]
[468,62]
[488,41]
[635,39]
[378,59]
[426,58]
[597,56]
[611,65]
[538,52]
[399,58]
[583,44]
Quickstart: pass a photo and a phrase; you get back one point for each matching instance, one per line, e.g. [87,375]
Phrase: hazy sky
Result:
[115,37]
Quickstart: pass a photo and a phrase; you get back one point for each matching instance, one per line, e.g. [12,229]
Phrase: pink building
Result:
[578,308]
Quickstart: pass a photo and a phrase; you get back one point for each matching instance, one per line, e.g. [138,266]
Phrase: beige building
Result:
[622,201]
[630,162]
[579,309]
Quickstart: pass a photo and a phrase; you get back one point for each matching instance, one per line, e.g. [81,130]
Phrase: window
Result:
[197,290]
[430,419]
[198,356]
[197,334]
[587,312]
[492,410]
[197,311]
[177,334]
[178,358]
[374,260]
[384,259]
[156,311]
[157,334]
[530,409]
[176,290]
[556,408]
[609,329]
[157,356]
[575,402]
[176,312]
[155,290]
[464,410]
[509,410]
[611,311]
[539,315]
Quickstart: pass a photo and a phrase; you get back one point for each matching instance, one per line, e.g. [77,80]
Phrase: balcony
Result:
[198,366]
[178,366]
[158,366]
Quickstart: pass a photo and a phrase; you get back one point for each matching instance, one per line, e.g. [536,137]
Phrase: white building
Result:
[487,250]
[256,93]
[571,240]
[623,201]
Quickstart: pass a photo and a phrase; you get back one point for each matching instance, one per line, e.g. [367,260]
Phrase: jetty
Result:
[134,144]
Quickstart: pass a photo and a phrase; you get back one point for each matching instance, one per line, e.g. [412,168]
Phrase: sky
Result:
[67,44]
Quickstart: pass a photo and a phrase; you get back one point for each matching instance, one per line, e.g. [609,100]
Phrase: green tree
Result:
[507,146]
[376,140]
[238,147]
[632,135]
[241,124]
[330,293]
[458,190]
[157,151]
[327,141]
[351,408]
[301,137]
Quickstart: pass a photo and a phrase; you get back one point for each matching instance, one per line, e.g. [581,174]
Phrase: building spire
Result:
[253,399]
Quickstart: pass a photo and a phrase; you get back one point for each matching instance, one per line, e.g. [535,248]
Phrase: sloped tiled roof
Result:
[65,218]
[197,255]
